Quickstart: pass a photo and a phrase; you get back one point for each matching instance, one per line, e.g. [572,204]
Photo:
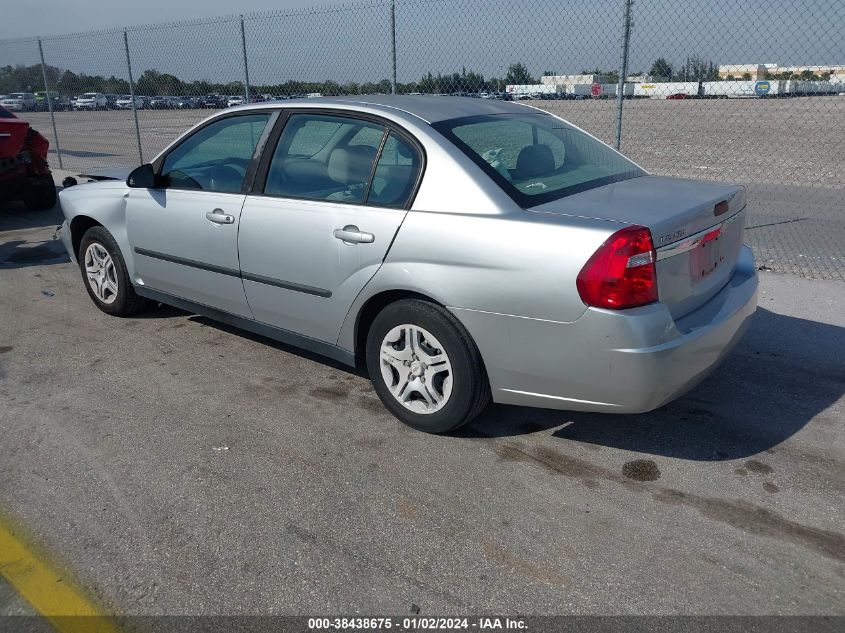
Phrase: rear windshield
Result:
[535,157]
[5,114]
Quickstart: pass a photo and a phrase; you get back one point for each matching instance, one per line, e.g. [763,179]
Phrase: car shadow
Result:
[19,250]
[290,349]
[20,253]
[15,217]
[784,372]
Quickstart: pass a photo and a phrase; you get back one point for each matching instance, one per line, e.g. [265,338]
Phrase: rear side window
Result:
[324,157]
[5,114]
[343,159]
[536,157]
[396,173]
[216,157]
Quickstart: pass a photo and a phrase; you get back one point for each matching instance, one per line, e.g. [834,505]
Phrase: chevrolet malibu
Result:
[461,250]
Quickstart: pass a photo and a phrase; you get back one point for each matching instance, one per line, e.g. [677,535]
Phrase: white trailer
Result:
[585,90]
[665,89]
[798,87]
[526,91]
[733,89]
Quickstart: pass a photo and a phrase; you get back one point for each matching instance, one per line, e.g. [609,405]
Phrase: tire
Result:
[460,382]
[119,299]
[39,193]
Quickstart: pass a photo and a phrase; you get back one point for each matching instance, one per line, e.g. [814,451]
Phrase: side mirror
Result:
[142,177]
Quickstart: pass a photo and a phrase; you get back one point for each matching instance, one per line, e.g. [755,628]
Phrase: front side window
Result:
[536,157]
[324,157]
[216,157]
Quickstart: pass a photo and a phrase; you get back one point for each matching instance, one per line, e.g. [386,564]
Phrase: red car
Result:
[24,172]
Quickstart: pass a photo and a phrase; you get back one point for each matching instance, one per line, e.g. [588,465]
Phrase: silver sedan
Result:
[462,250]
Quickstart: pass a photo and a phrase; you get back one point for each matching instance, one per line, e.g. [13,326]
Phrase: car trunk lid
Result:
[696,227]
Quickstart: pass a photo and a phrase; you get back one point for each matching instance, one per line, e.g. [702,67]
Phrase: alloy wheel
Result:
[100,272]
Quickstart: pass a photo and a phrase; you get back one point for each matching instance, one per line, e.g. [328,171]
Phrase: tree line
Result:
[153,82]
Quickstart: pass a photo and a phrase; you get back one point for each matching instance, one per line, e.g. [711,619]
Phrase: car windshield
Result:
[90,95]
[535,157]
[16,95]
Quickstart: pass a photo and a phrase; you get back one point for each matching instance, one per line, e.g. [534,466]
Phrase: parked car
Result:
[24,172]
[19,102]
[679,95]
[58,102]
[124,102]
[185,103]
[159,103]
[91,101]
[460,249]
[213,101]
[234,100]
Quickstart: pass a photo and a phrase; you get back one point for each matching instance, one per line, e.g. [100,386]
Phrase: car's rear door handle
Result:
[219,217]
[351,234]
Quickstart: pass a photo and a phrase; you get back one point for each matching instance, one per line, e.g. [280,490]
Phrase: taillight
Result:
[621,273]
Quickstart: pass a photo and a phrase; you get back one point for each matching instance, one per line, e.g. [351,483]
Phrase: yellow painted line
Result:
[51,593]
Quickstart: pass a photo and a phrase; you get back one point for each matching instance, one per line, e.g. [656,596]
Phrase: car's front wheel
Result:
[105,275]
[425,367]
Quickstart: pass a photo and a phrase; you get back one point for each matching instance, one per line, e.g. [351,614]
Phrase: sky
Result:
[319,41]
[70,16]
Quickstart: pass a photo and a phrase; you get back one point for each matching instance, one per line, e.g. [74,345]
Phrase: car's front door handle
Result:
[350,234]
[219,217]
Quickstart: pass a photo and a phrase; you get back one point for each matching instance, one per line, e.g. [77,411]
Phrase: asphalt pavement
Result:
[177,466]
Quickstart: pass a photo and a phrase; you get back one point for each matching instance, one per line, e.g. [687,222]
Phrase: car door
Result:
[184,233]
[330,196]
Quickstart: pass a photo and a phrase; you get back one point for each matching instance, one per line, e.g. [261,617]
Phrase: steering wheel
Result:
[235,163]
[225,179]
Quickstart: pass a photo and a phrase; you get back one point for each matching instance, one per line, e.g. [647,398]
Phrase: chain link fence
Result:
[717,89]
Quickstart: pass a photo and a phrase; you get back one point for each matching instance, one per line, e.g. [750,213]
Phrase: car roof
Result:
[429,108]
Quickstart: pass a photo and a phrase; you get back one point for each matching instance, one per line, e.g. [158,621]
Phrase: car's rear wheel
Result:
[425,367]
[39,193]
[105,275]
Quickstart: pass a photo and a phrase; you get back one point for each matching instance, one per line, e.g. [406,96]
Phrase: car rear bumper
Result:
[629,361]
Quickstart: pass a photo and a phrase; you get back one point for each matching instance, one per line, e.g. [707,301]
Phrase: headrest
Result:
[351,165]
[535,160]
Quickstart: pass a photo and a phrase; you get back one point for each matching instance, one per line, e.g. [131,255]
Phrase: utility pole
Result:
[132,95]
[246,63]
[393,43]
[50,103]
[623,69]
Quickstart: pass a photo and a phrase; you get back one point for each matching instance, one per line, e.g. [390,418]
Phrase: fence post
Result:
[50,103]
[132,95]
[623,69]
[393,43]
[246,64]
